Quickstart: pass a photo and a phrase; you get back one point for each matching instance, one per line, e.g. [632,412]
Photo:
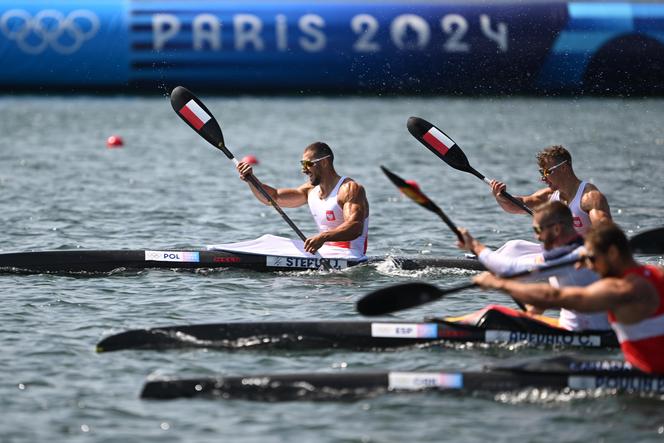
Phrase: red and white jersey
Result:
[328,215]
[642,343]
[582,222]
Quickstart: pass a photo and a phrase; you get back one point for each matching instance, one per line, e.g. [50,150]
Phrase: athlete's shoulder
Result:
[350,190]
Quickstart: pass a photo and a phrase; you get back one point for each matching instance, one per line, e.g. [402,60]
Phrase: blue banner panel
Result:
[329,46]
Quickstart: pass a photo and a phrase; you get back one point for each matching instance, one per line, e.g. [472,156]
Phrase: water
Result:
[61,188]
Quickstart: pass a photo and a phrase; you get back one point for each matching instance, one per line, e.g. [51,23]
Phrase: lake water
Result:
[61,188]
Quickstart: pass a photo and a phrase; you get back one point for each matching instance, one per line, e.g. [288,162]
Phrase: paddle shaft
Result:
[257,185]
[415,194]
[449,223]
[537,270]
[505,194]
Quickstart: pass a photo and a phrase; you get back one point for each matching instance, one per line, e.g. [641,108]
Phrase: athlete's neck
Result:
[569,189]
[327,183]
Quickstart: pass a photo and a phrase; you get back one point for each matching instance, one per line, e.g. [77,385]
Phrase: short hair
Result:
[555,152]
[608,234]
[320,150]
[556,211]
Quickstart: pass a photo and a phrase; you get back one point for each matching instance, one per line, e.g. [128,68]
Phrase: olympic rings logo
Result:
[65,34]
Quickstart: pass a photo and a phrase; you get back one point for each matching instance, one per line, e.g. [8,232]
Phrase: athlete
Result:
[589,206]
[338,204]
[632,293]
[554,227]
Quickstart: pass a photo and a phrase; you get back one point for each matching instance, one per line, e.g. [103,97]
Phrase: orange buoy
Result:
[251,159]
[114,141]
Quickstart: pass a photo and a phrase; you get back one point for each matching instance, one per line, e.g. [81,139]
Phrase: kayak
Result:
[556,374]
[494,328]
[108,261]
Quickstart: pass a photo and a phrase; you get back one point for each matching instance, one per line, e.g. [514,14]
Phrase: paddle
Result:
[409,295]
[413,192]
[200,119]
[648,242]
[447,150]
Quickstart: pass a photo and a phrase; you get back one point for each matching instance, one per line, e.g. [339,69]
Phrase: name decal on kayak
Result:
[412,381]
[581,340]
[174,256]
[276,261]
[624,383]
[404,330]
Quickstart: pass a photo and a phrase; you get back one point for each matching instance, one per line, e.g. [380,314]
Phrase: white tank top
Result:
[581,218]
[328,215]
[569,276]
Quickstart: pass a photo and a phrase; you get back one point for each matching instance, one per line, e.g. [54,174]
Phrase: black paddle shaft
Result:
[447,150]
[418,197]
[408,295]
[200,119]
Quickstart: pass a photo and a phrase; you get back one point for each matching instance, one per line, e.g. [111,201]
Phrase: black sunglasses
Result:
[539,229]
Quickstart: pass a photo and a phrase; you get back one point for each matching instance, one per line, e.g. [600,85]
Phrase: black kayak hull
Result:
[107,261]
[556,374]
[350,335]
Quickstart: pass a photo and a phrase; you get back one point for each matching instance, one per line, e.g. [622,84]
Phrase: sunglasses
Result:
[539,229]
[309,163]
[545,172]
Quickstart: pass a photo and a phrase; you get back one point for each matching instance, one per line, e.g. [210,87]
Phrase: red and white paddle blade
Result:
[439,143]
[433,138]
[197,116]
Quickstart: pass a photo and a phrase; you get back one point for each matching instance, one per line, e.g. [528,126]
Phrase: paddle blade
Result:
[198,117]
[440,144]
[648,242]
[397,297]
[410,190]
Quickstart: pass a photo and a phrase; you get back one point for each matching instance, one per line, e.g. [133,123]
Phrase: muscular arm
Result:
[596,205]
[631,299]
[532,201]
[355,206]
[285,197]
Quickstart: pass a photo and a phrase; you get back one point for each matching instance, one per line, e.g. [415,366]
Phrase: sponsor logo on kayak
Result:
[174,256]
[227,259]
[304,262]
[404,330]
[581,340]
[412,381]
[620,382]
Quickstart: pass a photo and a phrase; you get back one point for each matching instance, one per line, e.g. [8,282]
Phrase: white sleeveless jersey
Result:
[569,276]
[581,218]
[328,215]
